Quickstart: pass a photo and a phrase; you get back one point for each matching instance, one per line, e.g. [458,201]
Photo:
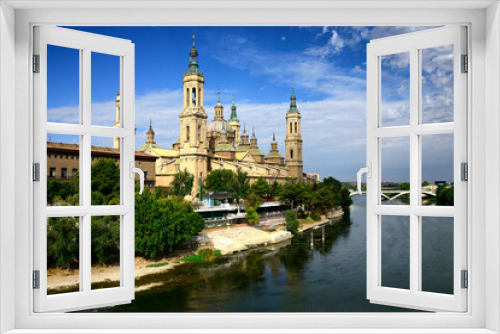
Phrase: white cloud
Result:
[283,38]
[334,46]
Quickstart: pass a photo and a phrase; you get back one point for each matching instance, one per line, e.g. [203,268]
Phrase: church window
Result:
[295,127]
[52,172]
[64,173]
[194,97]
[199,133]
[291,153]
[187,133]
[187,97]
[291,129]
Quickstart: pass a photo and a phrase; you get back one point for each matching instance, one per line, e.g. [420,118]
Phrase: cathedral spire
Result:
[193,60]
[253,133]
[234,115]
[150,135]
[293,103]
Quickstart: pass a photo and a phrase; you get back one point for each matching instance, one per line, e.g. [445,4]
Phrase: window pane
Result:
[395,92]
[105,252]
[437,84]
[395,168]
[395,243]
[63,254]
[105,173]
[63,156]
[437,169]
[105,89]
[437,254]
[63,85]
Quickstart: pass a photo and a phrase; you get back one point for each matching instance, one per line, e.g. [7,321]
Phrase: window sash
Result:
[413,43]
[87,43]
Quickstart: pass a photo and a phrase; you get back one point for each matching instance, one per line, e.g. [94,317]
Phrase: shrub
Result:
[291,222]
[315,216]
[251,215]
[301,214]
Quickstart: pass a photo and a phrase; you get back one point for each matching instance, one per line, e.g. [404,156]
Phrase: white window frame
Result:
[483,212]
[413,44]
[85,43]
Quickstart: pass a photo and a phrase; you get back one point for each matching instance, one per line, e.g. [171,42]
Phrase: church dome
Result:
[218,124]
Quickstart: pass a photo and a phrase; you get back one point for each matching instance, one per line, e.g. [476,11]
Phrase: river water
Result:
[328,276]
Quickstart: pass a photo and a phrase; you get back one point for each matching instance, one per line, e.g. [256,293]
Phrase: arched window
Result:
[291,130]
[187,133]
[295,127]
[194,97]
[291,153]
[187,97]
[199,133]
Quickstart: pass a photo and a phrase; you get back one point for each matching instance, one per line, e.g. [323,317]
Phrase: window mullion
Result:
[415,169]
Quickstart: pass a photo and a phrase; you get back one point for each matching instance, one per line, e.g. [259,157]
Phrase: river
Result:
[328,276]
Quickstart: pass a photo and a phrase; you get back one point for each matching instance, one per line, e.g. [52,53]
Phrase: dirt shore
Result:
[65,279]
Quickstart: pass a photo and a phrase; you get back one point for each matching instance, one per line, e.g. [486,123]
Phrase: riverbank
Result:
[240,238]
[63,279]
[309,226]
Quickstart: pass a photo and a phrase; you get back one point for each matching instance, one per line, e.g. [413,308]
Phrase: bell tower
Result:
[293,140]
[235,124]
[193,153]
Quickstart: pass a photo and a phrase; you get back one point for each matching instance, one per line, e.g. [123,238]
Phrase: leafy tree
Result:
[164,225]
[295,193]
[291,223]
[219,180]
[251,215]
[345,199]
[63,241]
[105,243]
[254,199]
[261,187]
[105,179]
[445,195]
[425,184]
[59,191]
[323,199]
[276,190]
[240,185]
[182,183]
[332,183]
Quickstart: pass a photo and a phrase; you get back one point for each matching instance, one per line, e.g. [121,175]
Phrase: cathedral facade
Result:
[222,144]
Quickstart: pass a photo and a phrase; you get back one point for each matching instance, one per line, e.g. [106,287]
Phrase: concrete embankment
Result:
[307,227]
[241,238]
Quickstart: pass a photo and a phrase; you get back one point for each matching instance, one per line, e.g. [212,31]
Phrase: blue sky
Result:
[258,65]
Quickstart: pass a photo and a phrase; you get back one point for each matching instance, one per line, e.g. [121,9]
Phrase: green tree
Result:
[425,184]
[276,190]
[345,199]
[445,195]
[219,180]
[251,215]
[261,187]
[240,186]
[60,191]
[105,179]
[182,183]
[291,223]
[105,241]
[323,199]
[254,199]
[295,193]
[63,241]
[164,225]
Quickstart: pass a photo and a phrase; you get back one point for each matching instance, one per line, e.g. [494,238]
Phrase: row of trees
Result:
[163,221]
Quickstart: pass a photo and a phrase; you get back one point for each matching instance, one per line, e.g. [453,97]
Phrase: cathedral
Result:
[222,144]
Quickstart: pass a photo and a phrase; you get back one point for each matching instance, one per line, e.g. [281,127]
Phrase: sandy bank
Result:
[64,279]
[237,239]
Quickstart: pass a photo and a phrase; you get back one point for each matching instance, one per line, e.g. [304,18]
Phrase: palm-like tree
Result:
[240,186]
[182,183]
